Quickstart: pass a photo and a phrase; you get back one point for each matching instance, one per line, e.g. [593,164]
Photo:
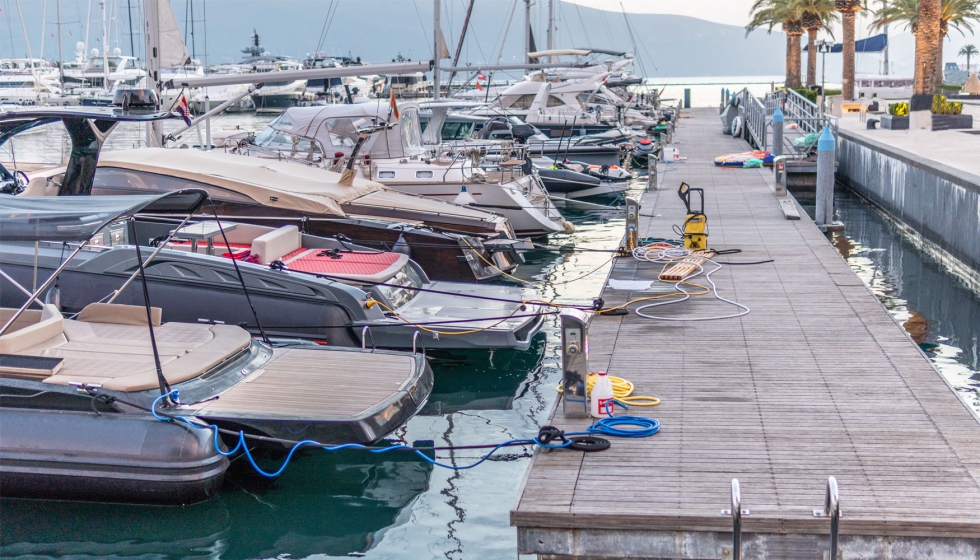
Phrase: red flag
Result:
[394,105]
[480,76]
[478,86]
[184,110]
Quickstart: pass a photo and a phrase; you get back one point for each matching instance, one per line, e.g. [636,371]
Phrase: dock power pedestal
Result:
[632,225]
[779,168]
[574,363]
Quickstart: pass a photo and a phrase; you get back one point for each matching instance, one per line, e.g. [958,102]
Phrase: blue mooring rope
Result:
[645,427]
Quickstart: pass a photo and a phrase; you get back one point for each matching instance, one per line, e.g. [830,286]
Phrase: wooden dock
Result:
[816,381]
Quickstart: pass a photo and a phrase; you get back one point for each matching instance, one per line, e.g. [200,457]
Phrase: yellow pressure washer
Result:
[696,222]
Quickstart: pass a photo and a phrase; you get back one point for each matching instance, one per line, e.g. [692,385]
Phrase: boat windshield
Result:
[272,139]
[411,130]
[407,277]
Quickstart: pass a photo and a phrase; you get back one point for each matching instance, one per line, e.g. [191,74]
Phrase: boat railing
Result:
[365,333]
[799,114]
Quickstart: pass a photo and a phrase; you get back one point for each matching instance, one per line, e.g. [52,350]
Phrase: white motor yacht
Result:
[397,158]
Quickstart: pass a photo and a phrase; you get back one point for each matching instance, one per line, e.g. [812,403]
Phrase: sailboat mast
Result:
[436,48]
[462,37]
[44,18]
[61,55]
[129,11]
[527,31]
[105,48]
[88,23]
[551,28]
[154,129]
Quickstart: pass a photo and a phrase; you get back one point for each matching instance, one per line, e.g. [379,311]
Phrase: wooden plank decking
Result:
[817,380]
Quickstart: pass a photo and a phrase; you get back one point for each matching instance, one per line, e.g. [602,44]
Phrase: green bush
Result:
[951,87]
[942,107]
[829,92]
[807,93]
[898,109]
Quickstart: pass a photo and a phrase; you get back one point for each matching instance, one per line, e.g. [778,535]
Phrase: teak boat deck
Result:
[817,381]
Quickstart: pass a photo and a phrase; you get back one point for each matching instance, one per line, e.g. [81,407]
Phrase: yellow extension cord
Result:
[622,391]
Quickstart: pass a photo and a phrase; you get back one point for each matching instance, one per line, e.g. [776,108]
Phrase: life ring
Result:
[737,127]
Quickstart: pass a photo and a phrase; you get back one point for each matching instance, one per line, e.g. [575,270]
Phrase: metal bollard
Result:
[575,363]
[777,132]
[651,174]
[826,155]
[831,509]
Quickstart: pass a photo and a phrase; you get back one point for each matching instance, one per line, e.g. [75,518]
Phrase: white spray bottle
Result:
[601,397]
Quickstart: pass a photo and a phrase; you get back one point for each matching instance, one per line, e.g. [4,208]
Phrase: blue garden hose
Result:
[606,426]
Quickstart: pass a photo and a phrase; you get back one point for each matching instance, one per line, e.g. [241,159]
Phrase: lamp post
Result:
[823,47]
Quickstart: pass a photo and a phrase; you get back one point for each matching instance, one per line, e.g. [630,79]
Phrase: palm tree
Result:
[953,14]
[769,14]
[814,15]
[848,10]
[968,51]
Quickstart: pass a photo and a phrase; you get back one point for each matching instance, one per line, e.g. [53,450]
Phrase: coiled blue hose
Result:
[643,427]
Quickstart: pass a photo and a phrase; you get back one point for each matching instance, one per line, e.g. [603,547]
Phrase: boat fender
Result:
[569,226]
[737,127]
[464,198]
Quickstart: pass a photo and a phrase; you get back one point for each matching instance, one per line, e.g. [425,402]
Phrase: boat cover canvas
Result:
[74,218]
[280,184]
[335,127]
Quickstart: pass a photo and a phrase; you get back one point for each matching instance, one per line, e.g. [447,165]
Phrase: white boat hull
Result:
[530,214]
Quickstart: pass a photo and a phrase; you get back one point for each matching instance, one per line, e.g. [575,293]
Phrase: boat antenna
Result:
[164,386]
[238,272]
[562,137]
[568,146]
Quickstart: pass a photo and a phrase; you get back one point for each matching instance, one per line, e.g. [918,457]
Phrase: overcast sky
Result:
[732,12]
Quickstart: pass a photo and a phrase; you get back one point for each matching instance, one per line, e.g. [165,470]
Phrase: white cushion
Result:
[277,244]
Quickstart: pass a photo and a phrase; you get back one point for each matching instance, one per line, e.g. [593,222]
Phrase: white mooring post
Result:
[777,132]
[826,155]
[651,173]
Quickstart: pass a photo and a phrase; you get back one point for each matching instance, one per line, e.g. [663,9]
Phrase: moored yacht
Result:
[454,242]
[396,157]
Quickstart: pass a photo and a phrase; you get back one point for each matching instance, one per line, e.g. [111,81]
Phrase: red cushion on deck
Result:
[353,264]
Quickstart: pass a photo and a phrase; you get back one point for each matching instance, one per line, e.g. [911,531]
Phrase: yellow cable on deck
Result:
[622,391]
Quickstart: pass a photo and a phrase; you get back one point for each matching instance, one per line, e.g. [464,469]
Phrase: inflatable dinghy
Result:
[737,160]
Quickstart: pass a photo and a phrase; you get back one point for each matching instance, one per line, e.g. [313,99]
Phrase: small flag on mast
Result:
[184,110]
[393,104]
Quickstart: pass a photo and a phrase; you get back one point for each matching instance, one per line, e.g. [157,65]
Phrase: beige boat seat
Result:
[276,244]
[44,186]
[112,347]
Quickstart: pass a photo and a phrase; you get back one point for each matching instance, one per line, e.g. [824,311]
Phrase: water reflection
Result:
[482,380]
[335,504]
[939,309]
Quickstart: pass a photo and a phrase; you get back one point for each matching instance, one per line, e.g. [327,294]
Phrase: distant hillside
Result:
[378,30]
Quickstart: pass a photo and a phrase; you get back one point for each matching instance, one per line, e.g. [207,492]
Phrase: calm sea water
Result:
[938,307]
[351,504]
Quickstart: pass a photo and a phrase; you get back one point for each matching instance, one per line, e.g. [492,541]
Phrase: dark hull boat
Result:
[318,291]
[83,455]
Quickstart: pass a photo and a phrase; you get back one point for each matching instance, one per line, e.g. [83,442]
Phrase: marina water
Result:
[351,504]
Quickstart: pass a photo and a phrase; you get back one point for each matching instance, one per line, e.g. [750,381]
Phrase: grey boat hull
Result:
[109,457]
